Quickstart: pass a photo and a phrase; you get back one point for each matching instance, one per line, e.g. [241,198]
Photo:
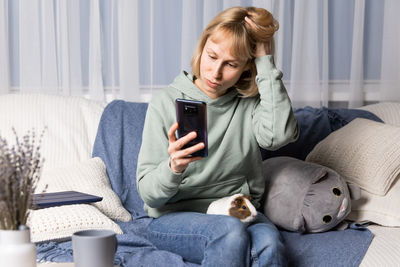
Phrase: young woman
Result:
[247,107]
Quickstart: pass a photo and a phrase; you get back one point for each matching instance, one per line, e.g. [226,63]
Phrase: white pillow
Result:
[71,124]
[365,152]
[61,222]
[389,112]
[383,210]
[89,176]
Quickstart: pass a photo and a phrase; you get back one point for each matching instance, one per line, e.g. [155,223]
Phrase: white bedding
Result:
[384,250]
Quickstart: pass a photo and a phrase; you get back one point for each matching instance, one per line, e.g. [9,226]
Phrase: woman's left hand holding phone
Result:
[180,158]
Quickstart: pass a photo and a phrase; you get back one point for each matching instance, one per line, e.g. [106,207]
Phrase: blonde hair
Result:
[244,38]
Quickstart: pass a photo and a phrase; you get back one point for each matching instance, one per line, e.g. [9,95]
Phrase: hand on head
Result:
[262,48]
[180,158]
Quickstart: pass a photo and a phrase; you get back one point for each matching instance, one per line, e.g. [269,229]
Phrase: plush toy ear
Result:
[355,191]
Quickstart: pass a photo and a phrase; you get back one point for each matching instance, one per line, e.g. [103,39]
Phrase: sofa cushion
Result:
[88,176]
[383,210]
[389,112]
[365,152]
[58,223]
[71,124]
[315,124]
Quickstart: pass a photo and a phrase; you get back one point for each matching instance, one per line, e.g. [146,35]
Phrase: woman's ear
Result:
[248,64]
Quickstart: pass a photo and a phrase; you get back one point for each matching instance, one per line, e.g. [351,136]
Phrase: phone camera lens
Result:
[190,109]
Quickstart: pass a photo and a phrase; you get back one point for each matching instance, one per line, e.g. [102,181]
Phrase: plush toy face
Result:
[305,197]
[327,202]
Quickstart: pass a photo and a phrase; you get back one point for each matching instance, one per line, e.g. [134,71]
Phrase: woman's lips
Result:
[211,84]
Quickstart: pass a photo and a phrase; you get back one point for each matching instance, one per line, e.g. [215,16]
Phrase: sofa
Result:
[92,147]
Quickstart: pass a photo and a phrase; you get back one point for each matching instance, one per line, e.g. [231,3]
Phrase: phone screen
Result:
[192,116]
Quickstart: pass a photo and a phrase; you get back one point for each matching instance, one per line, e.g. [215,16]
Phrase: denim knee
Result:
[229,244]
[267,246]
[227,225]
[273,240]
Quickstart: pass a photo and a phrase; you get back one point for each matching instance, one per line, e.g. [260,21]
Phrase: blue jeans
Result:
[218,240]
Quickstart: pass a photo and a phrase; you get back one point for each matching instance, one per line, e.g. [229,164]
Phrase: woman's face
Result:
[219,70]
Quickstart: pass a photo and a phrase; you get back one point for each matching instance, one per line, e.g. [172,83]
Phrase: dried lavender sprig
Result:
[6,177]
[20,168]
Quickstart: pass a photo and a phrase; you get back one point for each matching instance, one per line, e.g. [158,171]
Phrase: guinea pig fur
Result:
[238,206]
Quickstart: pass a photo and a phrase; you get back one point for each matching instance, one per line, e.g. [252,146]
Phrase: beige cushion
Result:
[88,176]
[365,152]
[61,222]
[71,124]
[389,112]
[383,210]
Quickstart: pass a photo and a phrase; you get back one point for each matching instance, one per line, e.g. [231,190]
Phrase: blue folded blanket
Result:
[118,142]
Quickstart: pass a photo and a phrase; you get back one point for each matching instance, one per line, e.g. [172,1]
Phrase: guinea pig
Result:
[238,206]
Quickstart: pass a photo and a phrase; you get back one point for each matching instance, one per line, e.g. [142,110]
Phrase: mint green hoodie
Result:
[236,128]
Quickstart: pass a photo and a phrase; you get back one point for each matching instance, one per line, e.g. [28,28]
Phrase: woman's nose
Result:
[217,72]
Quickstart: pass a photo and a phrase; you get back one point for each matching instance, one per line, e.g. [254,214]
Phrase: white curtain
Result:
[357,71]
[129,49]
[58,48]
[305,79]
[65,40]
[390,70]
[4,55]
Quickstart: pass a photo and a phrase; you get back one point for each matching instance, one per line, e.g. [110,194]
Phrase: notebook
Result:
[46,200]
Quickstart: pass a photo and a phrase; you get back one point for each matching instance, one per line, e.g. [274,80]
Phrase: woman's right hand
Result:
[262,49]
[180,158]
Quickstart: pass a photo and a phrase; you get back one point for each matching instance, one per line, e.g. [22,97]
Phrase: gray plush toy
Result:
[305,197]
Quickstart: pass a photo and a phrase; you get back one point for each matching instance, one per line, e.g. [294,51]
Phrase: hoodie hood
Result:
[185,84]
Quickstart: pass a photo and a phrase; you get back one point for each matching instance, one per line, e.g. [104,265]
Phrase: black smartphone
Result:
[191,115]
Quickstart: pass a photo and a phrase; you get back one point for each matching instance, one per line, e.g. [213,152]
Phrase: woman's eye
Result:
[232,65]
[336,191]
[212,57]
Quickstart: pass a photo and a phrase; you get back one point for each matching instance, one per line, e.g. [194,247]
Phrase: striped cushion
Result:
[364,152]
